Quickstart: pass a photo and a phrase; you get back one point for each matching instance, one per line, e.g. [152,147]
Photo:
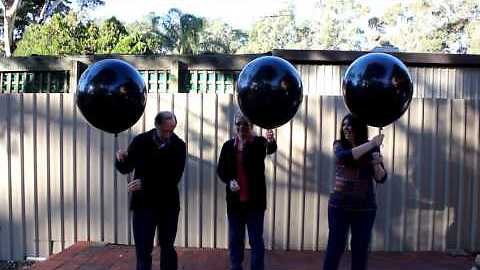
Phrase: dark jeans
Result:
[339,222]
[145,221]
[237,221]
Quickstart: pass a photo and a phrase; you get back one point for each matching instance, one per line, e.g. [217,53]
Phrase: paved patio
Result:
[98,256]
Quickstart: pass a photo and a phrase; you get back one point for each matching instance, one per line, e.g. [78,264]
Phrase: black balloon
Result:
[111,95]
[377,88]
[269,91]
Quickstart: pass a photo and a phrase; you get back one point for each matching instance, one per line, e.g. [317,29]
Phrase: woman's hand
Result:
[377,140]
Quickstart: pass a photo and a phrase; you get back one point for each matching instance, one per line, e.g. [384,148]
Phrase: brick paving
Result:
[98,256]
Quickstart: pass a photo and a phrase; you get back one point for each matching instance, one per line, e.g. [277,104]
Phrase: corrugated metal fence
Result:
[58,184]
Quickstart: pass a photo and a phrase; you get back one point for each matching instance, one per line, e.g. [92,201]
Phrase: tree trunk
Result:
[48,9]
[10,8]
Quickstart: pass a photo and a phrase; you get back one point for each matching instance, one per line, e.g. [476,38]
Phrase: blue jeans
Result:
[339,222]
[145,221]
[237,221]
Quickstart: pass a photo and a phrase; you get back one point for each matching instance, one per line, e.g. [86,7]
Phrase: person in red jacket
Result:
[241,167]
[158,159]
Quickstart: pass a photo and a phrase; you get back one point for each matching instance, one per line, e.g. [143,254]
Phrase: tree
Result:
[134,43]
[277,31]
[34,11]
[110,33]
[431,26]
[59,36]
[339,26]
[474,37]
[147,28]
[63,35]
[179,32]
[219,37]
[10,8]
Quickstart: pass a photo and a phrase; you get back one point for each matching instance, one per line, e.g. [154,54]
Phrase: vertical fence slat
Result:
[297,180]
[225,112]
[122,197]
[69,199]
[29,174]
[55,168]
[471,150]
[81,170]
[456,176]
[326,170]
[42,191]
[110,229]
[208,169]
[181,131]
[194,179]
[4,185]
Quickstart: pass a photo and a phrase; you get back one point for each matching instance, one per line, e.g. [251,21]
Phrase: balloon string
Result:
[379,133]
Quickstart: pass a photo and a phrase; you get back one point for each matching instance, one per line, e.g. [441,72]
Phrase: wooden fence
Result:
[58,184]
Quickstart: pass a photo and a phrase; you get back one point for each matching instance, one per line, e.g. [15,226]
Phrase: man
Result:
[241,167]
[158,159]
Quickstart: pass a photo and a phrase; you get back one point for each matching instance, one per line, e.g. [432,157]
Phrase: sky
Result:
[238,13]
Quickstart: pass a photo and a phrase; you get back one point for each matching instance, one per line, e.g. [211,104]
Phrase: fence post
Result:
[178,77]
[76,70]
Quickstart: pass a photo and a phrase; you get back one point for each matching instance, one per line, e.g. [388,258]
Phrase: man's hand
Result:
[134,185]
[121,155]
[234,185]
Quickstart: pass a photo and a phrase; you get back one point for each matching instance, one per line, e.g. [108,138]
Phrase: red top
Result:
[241,173]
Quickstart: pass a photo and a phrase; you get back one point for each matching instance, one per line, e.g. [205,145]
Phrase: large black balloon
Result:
[377,88]
[111,95]
[269,91]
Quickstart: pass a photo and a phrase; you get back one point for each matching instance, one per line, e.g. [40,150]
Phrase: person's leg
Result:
[236,239]
[255,236]
[167,231]
[362,224]
[144,224]
[338,224]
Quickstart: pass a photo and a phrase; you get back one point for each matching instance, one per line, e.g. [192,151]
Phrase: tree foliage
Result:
[180,32]
[219,37]
[29,12]
[68,35]
[448,26]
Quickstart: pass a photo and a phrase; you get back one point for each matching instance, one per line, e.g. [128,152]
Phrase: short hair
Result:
[163,116]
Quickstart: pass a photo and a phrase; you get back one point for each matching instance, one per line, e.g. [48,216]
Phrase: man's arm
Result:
[221,166]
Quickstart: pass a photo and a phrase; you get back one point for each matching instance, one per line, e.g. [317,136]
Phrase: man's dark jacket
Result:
[159,168]
[254,154]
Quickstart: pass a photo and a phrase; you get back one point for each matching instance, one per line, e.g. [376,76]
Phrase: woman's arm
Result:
[364,148]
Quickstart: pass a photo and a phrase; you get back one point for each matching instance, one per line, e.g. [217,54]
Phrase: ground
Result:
[100,256]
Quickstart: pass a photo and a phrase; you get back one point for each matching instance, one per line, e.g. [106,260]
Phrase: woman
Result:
[358,164]
[241,167]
